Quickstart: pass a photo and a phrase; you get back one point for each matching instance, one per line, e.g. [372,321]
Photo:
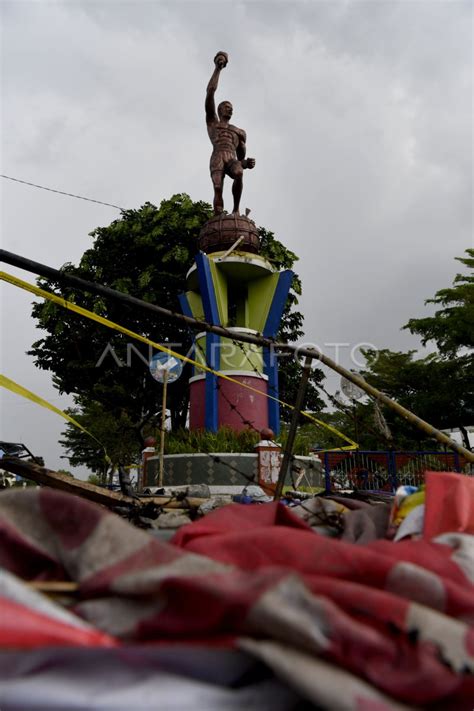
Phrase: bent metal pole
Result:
[84,285]
[288,453]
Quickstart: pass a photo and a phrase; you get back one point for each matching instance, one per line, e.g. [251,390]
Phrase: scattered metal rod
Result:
[60,276]
[288,453]
[54,587]
[231,249]
[63,482]
[91,492]
[94,288]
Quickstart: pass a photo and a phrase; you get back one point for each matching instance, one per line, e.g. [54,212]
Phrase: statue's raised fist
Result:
[221,59]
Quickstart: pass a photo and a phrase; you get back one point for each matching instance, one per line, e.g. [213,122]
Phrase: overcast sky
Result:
[359,115]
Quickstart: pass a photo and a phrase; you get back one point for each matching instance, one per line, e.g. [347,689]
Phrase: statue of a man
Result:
[228,156]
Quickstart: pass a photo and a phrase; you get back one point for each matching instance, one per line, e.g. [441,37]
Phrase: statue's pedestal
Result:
[222,231]
[242,292]
[237,407]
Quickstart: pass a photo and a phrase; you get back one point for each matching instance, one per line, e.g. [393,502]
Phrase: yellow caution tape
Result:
[20,390]
[353,445]
[110,324]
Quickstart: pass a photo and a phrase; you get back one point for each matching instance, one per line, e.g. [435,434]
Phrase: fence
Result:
[379,470]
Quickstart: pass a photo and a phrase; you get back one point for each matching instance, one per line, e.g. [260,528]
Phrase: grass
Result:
[224,440]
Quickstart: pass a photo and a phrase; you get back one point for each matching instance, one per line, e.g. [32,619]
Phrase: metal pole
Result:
[62,277]
[163,422]
[327,473]
[356,424]
[392,468]
[288,453]
[457,464]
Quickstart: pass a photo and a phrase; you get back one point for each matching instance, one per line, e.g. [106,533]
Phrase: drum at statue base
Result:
[222,231]
[238,407]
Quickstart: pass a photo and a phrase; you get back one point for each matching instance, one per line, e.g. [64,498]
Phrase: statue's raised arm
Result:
[228,141]
[220,61]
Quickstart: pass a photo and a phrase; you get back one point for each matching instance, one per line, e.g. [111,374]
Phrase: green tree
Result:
[452,327]
[94,479]
[438,388]
[114,430]
[290,371]
[146,253]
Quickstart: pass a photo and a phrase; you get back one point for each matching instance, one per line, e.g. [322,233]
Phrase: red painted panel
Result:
[248,405]
[197,402]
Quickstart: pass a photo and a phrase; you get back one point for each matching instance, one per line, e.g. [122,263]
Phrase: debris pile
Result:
[263,605]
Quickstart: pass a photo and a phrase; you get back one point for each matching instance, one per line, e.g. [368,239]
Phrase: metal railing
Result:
[386,470]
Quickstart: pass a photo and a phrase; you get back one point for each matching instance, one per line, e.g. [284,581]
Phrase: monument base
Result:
[229,469]
[222,231]
[237,407]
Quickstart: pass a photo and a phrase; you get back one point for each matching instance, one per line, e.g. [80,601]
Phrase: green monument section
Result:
[241,291]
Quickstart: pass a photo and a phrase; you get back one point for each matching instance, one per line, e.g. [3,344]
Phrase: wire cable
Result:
[61,192]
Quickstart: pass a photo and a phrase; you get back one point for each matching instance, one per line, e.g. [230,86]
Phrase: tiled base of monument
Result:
[227,469]
[179,469]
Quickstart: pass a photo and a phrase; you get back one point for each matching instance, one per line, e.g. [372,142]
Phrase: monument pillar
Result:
[244,293]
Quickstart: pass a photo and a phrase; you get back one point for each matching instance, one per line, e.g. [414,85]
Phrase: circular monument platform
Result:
[222,231]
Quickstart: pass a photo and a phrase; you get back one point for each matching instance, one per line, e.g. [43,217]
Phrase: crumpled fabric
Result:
[449,504]
[366,524]
[378,626]
[358,522]
[145,678]
[322,514]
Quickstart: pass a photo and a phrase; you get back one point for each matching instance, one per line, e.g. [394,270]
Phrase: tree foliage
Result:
[439,388]
[290,371]
[114,430]
[452,327]
[145,253]
[439,391]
